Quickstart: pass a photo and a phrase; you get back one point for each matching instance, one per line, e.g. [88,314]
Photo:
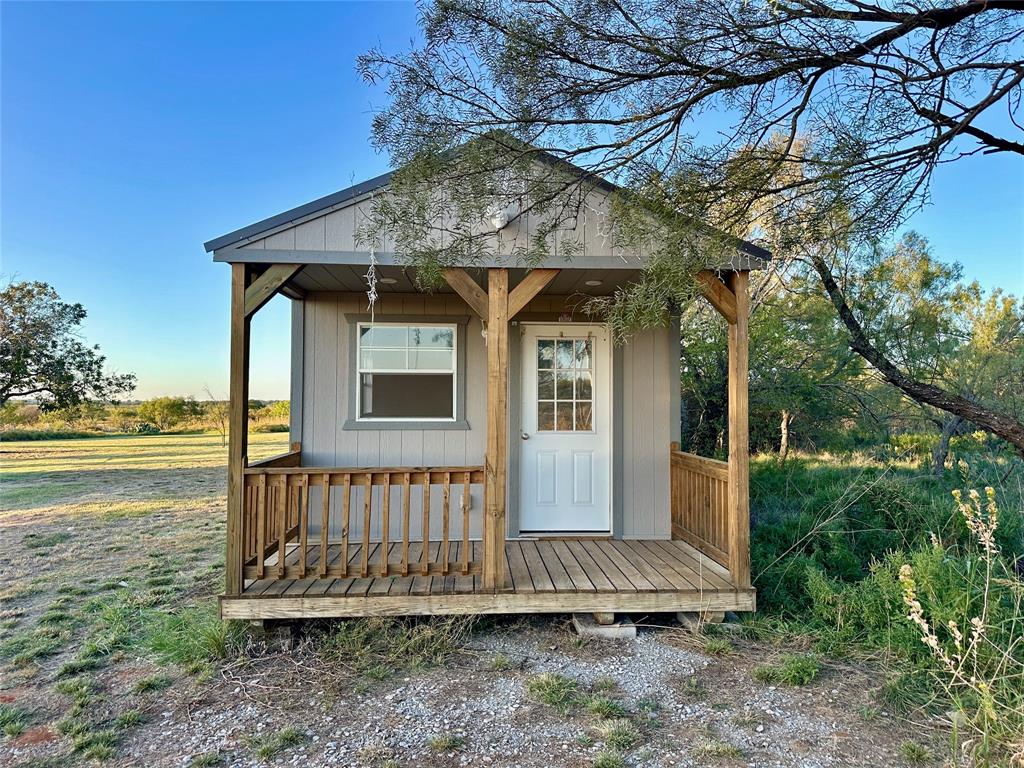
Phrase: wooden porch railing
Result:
[700,503]
[286,536]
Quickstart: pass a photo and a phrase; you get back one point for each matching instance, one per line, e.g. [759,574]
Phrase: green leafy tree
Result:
[624,89]
[941,331]
[41,355]
[167,412]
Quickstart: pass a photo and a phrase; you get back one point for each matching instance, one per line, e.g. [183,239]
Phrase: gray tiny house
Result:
[484,448]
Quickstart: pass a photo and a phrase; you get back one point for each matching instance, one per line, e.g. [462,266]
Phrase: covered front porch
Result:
[312,540]
[333,542]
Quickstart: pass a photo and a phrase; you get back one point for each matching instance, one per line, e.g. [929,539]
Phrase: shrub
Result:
[976,641]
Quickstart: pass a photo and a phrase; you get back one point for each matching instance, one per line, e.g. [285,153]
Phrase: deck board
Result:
[550,575]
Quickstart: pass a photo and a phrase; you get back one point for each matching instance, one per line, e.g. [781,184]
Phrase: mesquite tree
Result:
[41,355]
[732,113]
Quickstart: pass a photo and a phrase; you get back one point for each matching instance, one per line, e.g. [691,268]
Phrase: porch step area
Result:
[547,576]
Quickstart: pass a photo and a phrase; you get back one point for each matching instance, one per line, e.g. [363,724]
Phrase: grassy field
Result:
[103,539]
[111,651]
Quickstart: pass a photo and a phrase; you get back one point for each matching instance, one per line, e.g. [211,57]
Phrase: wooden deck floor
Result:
[546,576]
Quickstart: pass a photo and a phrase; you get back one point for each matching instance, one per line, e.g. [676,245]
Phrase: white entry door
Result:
[565,443]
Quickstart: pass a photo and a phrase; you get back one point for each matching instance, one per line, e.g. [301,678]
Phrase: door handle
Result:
[525,436]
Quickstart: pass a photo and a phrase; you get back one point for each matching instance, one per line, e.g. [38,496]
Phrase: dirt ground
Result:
[101,538]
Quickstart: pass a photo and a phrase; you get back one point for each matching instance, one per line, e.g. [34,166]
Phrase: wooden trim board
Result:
[326,606]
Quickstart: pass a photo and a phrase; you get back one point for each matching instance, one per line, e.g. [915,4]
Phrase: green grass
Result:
[152,683]
[500,662]
[604,707]
[715,749]
[379,647]
[129,719]
[44,540]
[207,760]
[194,636]
[915,754]
[609,759]
[28,648]
[447,742]
[269,745]
[717,646]
[792,669]
[13,720]
[619,734]
[555,690]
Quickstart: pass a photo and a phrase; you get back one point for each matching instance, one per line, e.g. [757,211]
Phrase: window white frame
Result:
[453,371]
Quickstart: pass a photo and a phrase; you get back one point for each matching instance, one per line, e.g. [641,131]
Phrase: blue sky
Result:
[130,133]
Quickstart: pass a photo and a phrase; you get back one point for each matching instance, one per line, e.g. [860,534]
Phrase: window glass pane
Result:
[545,385]
[383,336]
[403,395]
[564,385]
[584,386]
[545,354]
[584,416]
[564,417]
[564,356]
[545,417]
[583,353]
[438,338]
[430,359]
[383,359]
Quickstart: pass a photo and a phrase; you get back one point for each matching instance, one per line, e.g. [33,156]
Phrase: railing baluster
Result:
[364,564]
[425,549]
[466,501]
[346,506]
[282,529]
[261,525]
[303,524]
[385,524]
[325,522]
[406,503]
[443,554]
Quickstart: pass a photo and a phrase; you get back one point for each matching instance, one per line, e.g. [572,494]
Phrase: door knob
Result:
[525,436]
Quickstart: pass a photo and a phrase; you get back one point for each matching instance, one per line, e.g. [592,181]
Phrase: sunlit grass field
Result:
[87,475]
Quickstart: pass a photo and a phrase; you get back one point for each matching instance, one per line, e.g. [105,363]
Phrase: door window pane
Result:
[564,421]
[545,385]
[545,417]
[565,384]
[545,354]
[564,355]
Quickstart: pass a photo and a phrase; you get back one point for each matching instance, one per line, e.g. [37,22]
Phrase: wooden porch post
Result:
[739,443]
[496,460]
[238,427]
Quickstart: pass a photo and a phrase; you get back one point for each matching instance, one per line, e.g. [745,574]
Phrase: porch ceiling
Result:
[340,277]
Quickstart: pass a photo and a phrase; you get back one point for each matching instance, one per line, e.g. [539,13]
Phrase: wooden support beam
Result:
[739,443]
[718,294]
[266,285]
[466,287]
[238,428]
[534,282]
[496,461]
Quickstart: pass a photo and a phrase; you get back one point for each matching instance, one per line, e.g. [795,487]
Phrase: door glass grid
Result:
[565,385]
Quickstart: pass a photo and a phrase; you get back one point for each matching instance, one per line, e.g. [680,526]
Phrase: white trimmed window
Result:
[406,372]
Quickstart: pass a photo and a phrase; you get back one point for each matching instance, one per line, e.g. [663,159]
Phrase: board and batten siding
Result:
[337,231]
[322,379]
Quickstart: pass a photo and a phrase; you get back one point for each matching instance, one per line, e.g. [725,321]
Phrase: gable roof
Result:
[349,194]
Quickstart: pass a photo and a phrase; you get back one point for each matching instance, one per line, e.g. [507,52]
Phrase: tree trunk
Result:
[941,451]
[787,419]
[999,424]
